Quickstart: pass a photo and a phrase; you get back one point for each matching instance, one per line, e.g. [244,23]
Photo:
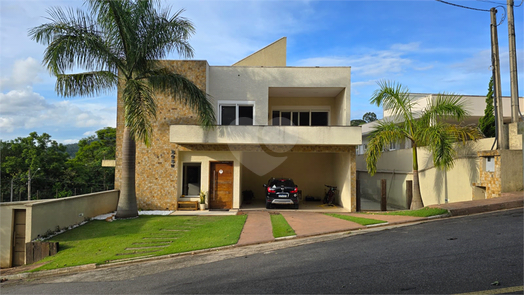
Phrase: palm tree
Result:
[118,44]
[425,128]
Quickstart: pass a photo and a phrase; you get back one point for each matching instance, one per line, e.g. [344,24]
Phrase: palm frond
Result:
[90,83]
[140,109]
[184,91]
[443,107]
[395,98]
[383,135]
[73,41]
[440,143]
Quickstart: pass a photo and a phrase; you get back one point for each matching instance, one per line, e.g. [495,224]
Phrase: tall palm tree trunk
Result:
[127,201]
[416,202]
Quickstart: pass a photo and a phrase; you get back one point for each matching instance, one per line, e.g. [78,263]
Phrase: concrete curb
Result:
[486,208]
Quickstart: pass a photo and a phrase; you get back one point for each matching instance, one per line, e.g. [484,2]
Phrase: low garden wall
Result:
[45,216]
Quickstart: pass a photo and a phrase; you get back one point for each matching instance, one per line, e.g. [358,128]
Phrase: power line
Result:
[461,6]
[519,4]
[492,2]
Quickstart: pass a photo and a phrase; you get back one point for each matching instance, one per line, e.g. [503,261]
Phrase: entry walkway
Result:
[258,228]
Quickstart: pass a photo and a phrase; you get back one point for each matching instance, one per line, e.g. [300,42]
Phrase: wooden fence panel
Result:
[36,251]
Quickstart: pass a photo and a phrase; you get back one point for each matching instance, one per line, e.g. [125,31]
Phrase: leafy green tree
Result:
[118,43]
[369,117]
[45,157]
[85,169]
[357,122]
[487,123]
[427,129]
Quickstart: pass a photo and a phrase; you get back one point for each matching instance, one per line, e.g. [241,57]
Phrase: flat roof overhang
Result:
[267,135]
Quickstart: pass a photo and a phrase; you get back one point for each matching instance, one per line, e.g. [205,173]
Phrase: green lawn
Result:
[280,226]
[423,212]
[359,220]
[102,241]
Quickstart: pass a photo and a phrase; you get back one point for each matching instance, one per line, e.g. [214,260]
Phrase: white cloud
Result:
[377,63]
[89,133]
[24,73]
[28,109]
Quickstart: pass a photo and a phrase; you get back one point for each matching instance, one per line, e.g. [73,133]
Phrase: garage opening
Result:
[310,171]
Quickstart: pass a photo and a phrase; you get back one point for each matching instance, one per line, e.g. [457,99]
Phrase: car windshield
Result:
[282,182]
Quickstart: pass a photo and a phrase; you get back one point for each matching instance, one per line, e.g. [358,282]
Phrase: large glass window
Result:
[300,118]
[191,178]
[236,114]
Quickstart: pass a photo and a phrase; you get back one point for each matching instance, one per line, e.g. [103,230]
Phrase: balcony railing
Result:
[267,135]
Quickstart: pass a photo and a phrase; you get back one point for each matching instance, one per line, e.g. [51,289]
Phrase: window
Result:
[236,114]
[191,178]
[300,118]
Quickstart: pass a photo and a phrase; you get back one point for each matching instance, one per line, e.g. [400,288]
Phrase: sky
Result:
[428,46]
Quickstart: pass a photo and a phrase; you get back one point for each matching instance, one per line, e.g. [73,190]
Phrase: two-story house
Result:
[272,121]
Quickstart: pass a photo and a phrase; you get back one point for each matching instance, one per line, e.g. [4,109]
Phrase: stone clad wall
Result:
[155,179]
[490,180]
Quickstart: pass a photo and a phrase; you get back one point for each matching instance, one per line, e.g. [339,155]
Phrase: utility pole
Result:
[513,64]
[495,60]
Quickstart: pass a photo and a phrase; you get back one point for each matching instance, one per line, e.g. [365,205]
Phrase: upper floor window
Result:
[236,113]
[300,118]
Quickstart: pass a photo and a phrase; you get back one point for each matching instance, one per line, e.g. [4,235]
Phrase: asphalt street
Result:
[481,252]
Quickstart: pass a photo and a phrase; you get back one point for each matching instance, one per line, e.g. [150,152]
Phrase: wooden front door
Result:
[19,238]
[221,185]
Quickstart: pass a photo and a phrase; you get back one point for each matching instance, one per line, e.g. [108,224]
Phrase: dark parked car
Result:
[281,191]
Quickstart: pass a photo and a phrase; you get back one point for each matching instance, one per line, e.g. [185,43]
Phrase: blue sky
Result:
[428,46]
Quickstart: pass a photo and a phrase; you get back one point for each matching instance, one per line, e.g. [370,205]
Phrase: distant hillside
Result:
[71,149]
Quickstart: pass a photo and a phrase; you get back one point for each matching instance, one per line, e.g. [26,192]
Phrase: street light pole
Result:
[29,183]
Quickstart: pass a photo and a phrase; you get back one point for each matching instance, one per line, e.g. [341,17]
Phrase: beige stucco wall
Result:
[345,176]
[251,84]
[272,55]
[6,230]
[436,186]
[285,135]
[48,215]
[64,212]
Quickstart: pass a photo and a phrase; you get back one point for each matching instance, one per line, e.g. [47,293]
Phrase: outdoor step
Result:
[188,205]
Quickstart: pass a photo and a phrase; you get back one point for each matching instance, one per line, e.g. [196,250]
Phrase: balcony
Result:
[267,135]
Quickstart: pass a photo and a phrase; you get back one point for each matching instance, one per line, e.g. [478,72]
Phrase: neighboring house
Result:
[273,121]
[468,180]
[475,105]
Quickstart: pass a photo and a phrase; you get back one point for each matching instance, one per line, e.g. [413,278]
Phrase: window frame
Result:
[299,109]
[184,177]
[236,104]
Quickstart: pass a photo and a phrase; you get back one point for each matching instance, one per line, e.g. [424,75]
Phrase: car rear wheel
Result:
[268,205]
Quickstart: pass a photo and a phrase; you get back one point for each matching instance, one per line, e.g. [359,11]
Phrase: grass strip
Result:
[359,220]
[101,241]
[423,212]
[280,226]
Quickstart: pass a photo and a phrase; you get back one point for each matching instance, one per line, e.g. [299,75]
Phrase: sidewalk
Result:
[506,201]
